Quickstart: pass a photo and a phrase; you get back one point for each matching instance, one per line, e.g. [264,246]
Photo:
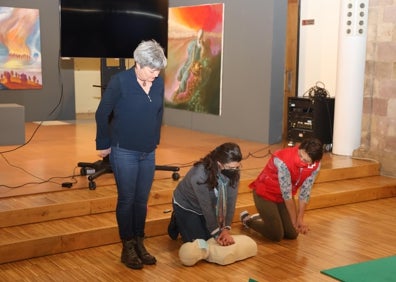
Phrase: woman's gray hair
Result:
[150,54]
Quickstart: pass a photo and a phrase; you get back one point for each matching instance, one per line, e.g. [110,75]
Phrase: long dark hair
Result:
[225,153]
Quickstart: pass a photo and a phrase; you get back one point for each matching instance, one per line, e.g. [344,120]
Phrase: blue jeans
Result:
[134,174]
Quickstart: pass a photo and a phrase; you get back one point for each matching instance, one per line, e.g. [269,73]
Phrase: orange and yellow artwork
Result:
[193,73]
[20,49]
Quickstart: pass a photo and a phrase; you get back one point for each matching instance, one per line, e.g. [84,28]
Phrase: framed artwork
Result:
[20,49]
[194,71]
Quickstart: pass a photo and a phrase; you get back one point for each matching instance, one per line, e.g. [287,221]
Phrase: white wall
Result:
[87,74]
[318,45]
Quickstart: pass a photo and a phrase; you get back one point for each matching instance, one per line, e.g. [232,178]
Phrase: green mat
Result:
[378,270]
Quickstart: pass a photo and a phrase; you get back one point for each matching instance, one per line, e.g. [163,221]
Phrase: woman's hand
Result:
[225,238]
[299,224]
[301,227]
[104,153]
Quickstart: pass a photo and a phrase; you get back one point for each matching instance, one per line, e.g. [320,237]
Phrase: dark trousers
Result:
[275,223]
[190,225]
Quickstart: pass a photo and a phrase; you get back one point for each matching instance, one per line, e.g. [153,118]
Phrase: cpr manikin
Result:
[192,252]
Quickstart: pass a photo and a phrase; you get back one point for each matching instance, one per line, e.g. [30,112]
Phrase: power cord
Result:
[55,108]
[317,91]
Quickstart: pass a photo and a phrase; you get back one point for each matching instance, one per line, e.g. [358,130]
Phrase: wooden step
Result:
[50,223]
[83,231]
[347,168]
[79,232]
[349,191]
[56,205]
[77,202]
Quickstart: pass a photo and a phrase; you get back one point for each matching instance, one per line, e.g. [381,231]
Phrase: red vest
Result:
[266,184]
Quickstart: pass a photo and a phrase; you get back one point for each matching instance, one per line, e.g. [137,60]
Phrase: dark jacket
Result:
[136,117]
[201,199]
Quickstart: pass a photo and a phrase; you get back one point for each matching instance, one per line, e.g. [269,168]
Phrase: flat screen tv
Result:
[111,28]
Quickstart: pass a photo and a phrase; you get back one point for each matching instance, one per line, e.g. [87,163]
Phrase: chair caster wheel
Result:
[92,185]
[175,176]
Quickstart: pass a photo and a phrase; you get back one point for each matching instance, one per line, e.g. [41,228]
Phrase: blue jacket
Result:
[136,117]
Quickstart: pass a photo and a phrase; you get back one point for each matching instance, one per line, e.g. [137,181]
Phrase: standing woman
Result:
[204,201]
[128,120]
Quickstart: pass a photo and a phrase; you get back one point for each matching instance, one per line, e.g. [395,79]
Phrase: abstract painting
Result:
[194,70]
[20,49]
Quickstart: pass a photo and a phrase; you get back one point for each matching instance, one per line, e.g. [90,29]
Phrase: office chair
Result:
[100,167]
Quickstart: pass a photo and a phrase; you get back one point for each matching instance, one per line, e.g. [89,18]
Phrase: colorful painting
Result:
[20,49]
[195,44]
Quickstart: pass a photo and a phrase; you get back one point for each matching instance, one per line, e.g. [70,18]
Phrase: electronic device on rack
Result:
[311,116]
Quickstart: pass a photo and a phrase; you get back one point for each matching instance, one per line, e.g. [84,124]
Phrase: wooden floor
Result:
[339,236]
[53,150]
[57,147]
[351,221]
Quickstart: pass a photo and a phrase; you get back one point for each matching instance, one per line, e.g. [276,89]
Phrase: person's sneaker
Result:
[173,231]
[254,216]
[246,217]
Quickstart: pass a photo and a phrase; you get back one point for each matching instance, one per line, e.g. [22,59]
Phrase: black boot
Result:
[141,251]
[129,256]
